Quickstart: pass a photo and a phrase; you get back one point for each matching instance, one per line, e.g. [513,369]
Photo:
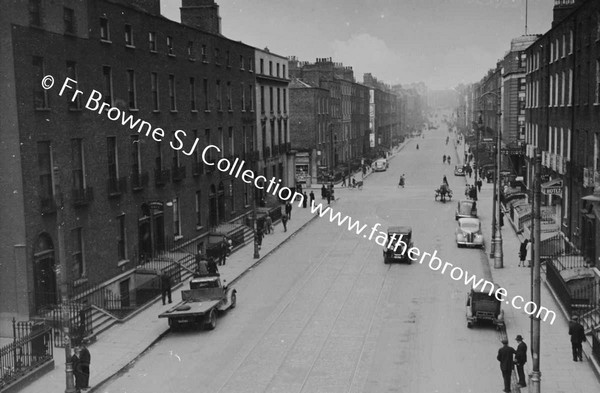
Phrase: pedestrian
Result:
[528,254]
[521,359]
[222,252]
[268,224]
[523,252]
[445,181]
[331,192]
[288,209]
[353,182]
[467,189]
[344,180]
[473,193]
[329,198]
[479,183]
[312,198]
[211,266]
[505,357]
[165,286]
[84,365]
[201,268]
[323,192]
[304,200]
[284,220]
[577,334]
[75,363]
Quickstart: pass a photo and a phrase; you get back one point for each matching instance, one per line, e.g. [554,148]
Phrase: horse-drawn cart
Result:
[443,193]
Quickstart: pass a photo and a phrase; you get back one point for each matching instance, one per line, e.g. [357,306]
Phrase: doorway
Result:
[45,287]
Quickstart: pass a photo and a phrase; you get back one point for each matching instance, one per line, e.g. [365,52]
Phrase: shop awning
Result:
[592,198]
[553,183]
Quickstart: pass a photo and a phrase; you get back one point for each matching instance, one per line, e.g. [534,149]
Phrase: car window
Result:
[469,225]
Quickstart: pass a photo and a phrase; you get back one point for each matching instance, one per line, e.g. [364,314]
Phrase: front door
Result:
[124,292]
[45,287]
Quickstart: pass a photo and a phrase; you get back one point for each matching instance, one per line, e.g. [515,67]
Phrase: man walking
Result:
[479,183]
[344,180]
[284,220]
[523,252]
[505,357]
[268,224]
[84,365]
[312,198]
[288,209]
[165,286]
[521,359]
[577,337]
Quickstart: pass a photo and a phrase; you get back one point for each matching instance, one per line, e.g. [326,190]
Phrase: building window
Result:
[208,141]
[278,100]
[69,19]
[112,157]
[278,70]
[77,260]
[176,218]
[241,62]
[193,94]
[204,54]
[205,89]
[563,90]
[198,209]
[190,50]
[231,142]
[35,15]
[158,159]
[284,101]
[221,141]
[152,41]
[197,152]
[251,95]
[270,68]
[45,166]
[74,100]
[271,99]
[122,239]
[243,89]
[77,164]
[104,30]
[570,41]
[229,97]
[154,87]
[597,100]
[219,95]
[172,98]
[262,66]
[131,89]
[170,50]
[217,56]
[107,76]
[231,195]
[262,99]
[128,35]
[136,157]
[251,64]
[522,60]
[227,59]
[246,195]
[283,74]
[40,95]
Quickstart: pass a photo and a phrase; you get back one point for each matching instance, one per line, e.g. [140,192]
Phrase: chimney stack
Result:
[201,14]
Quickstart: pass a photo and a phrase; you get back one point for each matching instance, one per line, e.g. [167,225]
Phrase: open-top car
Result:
[395,249]
[483,305]
[459,171]
[466,209]
[468,233]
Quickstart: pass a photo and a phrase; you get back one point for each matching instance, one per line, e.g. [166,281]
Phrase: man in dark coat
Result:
[284,220]
[211,266]
[521,359]
[312,197]
[304,200]
[165,286]
[323,192]
[505,357]
[75,363]
[288,209]
[577,337]
[84,365]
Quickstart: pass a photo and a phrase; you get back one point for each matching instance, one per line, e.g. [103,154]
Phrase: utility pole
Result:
[498,256]
[536,375]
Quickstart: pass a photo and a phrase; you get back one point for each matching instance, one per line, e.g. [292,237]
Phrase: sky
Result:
[439,42]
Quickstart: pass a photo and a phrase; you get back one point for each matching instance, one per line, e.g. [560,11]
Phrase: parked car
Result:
[465,209]
[468,233]
[399,253]
[380,165]
[483,305]
[459,171]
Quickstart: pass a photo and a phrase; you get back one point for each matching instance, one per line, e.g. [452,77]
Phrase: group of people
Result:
[446,159]
[328,193]
[471,192]
[351,181]
[80,361]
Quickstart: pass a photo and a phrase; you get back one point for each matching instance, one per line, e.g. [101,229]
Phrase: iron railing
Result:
[596,344]
[31,348]
[78,319]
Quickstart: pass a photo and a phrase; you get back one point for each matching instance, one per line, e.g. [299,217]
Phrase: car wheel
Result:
[211,320]
[469,325]
[233,300]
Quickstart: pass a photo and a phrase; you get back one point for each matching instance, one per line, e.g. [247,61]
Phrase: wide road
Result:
[325,314]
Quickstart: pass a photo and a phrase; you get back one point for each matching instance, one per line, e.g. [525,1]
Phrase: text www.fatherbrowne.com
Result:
[435,263]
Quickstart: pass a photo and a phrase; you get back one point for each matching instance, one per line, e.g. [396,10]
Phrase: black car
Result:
[394,249]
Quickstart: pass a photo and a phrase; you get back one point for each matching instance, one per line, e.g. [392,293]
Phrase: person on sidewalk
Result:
[479,183]
[328,198]
[284,220]
[577,334]
[165,286]
[323,192]
[268,224]
[85,360]
[505,357]
[523,252]
[305,200]
[528,254]
[521,359]
[445,181]
[312,198]
[288,209]
[223,252]
[211,267]
[343,180]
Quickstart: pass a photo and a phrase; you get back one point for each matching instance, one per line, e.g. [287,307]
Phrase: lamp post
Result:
[497,240]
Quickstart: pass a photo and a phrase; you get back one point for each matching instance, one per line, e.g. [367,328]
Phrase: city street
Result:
[325,314]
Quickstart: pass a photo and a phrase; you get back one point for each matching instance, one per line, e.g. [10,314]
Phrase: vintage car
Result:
[465,209]
[395,249]
[380,165]
[468,233]
[459,171]
[483,305]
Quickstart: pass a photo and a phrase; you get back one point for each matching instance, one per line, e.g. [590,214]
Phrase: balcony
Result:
[139,180]
[47,204]
[178,173]
[161,177]
[116,185]
[82,196]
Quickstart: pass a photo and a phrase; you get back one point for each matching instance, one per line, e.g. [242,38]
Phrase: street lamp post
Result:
[498,255]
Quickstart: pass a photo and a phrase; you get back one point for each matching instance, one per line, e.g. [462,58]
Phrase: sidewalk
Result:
[120,345]
[559,373]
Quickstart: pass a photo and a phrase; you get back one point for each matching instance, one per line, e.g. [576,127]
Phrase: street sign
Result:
[552,191]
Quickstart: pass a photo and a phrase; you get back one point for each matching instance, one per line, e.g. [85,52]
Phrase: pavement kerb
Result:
[97,386]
